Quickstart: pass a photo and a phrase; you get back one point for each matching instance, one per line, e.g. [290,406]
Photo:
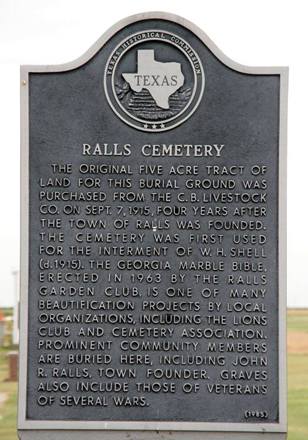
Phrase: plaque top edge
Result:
[159,15]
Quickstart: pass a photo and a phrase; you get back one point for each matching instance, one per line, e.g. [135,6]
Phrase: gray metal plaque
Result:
[153,258]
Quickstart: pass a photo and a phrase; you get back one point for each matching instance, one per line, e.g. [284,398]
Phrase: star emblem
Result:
[154,126]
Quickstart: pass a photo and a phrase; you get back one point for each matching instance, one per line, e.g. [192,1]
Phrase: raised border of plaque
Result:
[146,430]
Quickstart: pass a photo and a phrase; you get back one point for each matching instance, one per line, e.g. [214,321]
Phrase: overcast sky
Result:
[263,32]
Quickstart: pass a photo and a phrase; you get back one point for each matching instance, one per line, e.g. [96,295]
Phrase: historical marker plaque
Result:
[153,258]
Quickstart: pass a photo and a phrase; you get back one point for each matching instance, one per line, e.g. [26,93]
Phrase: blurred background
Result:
[263,33]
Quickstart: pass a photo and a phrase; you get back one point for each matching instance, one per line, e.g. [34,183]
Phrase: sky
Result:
[262,33]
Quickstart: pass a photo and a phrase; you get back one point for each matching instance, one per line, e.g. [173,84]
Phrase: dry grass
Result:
[297,342]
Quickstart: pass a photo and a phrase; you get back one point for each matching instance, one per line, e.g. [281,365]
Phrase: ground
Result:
[297,382]
[8,392]
[298,374]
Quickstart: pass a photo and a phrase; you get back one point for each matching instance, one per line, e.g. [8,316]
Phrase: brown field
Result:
[298,342]
[298,312]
